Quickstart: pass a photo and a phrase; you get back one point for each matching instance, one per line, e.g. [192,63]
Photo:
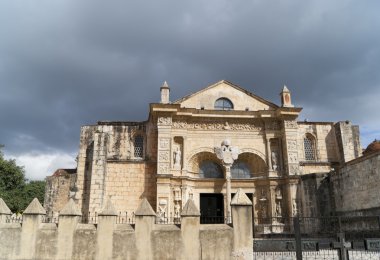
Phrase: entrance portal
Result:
[212,208]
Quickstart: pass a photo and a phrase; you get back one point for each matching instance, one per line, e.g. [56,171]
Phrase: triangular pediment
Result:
[240,98]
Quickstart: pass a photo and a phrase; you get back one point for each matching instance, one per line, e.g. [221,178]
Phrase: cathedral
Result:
[204,147]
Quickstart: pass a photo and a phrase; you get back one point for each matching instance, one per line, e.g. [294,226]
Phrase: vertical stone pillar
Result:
[269,161]
[164,152]
[5,212]
[228,191]
[145,218]
[31,220]
[242,226]
[106,226]
[68,220]
[290,132]
[98,174]
[190,224]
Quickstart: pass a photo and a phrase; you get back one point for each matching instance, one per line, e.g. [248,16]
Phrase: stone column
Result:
[190,226]
[5,212]
[228,191]
[269,159]
[68,220]
[31,220]
[145,218]
[242,226]
[106,226]
[227,154]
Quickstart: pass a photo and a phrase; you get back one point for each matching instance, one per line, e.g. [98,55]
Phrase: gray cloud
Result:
[67,63]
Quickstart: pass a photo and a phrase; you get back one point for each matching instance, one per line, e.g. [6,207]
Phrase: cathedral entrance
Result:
[212,208]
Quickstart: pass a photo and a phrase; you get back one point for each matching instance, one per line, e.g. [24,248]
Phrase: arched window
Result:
[223,104]
[309,148]
[240,170]
[139,146]
[210,169]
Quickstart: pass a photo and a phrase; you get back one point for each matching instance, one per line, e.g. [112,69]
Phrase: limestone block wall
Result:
[59,187]
[325,141]
[348,138]
[128,183]
[100,145]
[69,239]
[356,186]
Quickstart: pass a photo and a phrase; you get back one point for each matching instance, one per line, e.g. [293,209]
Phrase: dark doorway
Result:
[212,208]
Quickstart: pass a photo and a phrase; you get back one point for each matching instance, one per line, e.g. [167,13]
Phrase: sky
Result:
[68,63]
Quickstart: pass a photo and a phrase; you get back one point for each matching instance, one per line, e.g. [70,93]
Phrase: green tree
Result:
[15,189]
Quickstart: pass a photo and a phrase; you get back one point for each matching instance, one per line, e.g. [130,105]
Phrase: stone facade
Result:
[356,187]
[172,157]
[60,187]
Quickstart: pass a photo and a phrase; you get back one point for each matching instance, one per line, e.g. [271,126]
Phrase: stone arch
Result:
[196,160]
[249,161]
[254,151]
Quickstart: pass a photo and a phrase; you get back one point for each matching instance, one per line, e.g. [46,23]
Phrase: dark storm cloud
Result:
[68,63]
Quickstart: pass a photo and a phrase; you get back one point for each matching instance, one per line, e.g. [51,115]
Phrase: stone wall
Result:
[59,187]
[348,137]
[69,239]
[356,186]
[128,183]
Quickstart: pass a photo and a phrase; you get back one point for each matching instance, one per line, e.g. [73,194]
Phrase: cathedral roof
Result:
[372,147]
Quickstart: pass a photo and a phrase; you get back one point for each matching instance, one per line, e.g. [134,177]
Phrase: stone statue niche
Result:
[275,155]
[178,153]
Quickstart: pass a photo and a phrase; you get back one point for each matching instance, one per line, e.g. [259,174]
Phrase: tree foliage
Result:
[15,189]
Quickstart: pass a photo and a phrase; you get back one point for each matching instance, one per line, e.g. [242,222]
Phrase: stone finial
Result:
[286,100]
[165,92]
[145,209]
[190,210]
[109,209]
[4,210]
[35,208]
[240,199]
[165,85]
[70,209]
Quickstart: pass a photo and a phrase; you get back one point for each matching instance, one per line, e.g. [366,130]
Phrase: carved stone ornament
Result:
[294,169]
[226,152]
[292,145]
[164,121]
[163,156]
[163,168]
[217,125]
[164,143]
[274,158]
[290,124]
[293,157]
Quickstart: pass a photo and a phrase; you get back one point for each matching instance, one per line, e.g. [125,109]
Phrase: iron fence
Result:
[335,237]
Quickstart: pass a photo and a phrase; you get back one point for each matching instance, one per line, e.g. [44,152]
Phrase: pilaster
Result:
[290,145]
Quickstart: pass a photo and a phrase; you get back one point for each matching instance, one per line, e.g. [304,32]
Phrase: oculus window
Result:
[223,104]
